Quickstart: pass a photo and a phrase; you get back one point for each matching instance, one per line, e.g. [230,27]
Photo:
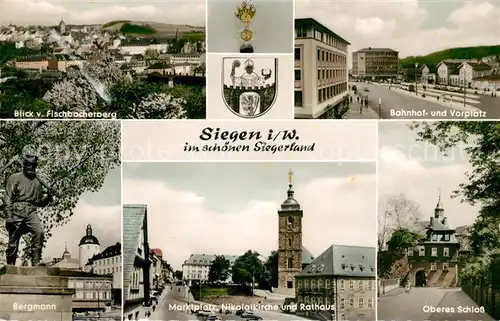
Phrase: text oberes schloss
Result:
[214,139]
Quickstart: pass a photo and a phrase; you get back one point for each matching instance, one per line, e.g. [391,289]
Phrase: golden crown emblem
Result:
[245,12]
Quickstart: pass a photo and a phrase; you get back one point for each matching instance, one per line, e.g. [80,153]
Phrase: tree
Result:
[398,212]
[272,267]
[402,239]
[219,269]
[75,157]
[152,54]
[481,141]
[249,269]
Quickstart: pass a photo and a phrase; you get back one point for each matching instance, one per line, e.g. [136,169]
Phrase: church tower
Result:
[89,246]
[62,27]
[290,239]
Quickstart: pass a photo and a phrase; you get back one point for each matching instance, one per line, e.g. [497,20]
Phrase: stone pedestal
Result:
[34,293]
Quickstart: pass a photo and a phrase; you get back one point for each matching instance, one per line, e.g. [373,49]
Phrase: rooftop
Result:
[370,49]
[343,260]
[311,22]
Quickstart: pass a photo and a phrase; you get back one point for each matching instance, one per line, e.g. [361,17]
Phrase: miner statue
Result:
[23,195]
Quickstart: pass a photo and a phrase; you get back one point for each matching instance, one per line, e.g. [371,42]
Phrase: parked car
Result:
[204,312]
[247,315]
[213,318]
[366,89]
[254,317]
[240,312]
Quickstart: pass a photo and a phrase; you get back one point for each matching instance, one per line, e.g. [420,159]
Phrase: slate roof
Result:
[343,260]
[307,257]
[432,68]
[133,219]
[110,251]
[206,259]
[450,65]
[370,49]
[480,66]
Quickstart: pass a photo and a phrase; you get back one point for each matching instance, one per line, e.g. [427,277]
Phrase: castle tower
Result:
[88,247]
[62,27]
[290,239]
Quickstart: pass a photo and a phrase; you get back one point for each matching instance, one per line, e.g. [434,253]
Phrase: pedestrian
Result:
[408,286]
[154,308]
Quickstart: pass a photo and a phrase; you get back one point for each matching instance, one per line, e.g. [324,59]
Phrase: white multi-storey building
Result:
[108,262]
[196,268]
[320,70]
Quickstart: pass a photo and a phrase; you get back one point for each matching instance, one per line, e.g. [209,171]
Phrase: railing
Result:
[483,295]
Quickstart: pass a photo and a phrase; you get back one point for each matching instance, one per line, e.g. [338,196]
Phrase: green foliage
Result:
[482,145]
[9,51]
[195,97]
[248,268]
[178,275]
[115,22]
[193,36]
[208,291]
[127,93]
[272,267]
[75,157]
[391,265]
[219,269]
[129,28]
[402,239]
[481,142]
[453,53]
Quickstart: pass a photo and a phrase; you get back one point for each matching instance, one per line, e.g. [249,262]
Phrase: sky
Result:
[50,12]
[412,27]
[418,170]
[102,210]
[229,208]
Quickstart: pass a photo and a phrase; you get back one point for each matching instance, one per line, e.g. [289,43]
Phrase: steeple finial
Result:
[65,246]
[439,206]
[290,177]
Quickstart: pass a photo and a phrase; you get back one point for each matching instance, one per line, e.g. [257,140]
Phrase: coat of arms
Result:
[249,85]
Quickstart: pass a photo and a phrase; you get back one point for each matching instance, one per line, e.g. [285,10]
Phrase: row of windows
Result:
[108,261]
[92,295]
[75,284]
[327,56]
[352,301]
[327,93]
[330,74]
[321,36]
[109,270]
[444,266]
[352,284]
[434,251]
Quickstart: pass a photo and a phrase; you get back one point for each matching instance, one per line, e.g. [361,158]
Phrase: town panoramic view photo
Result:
[438,225]
[249,241]
[413,59]
[102,60]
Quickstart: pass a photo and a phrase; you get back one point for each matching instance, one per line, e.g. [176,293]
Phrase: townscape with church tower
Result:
[339,280]
[95,273]
[54,57]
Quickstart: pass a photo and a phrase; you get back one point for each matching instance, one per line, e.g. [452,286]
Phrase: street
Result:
[395,101]
[173,297]
[433,304]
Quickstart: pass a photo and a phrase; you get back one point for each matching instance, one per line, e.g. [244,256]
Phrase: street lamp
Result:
[416,74]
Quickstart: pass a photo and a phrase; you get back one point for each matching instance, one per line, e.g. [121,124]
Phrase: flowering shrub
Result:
[161,106]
